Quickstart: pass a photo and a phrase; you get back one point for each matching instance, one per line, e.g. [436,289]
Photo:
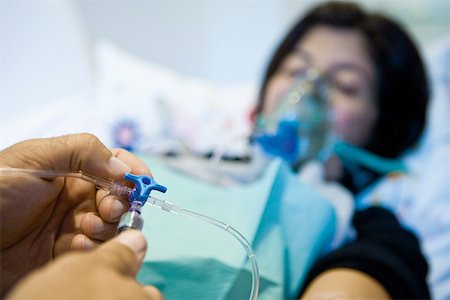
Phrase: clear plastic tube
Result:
[107,185]
[170,207]
[119,190]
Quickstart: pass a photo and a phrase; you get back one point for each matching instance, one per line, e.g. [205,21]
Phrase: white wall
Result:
[46,44]
[225,41]
[44,55]
[228,41]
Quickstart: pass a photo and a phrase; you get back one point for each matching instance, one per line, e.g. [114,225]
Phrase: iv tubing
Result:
[170,207]
[107,185]
[237,235]
[164,205]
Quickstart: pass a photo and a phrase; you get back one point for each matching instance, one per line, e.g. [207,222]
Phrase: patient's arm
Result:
[384,261]
[342,283]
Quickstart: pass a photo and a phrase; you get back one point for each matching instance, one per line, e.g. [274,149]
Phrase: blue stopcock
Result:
[143,185]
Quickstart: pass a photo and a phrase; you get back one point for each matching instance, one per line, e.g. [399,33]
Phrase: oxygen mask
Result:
[300,127]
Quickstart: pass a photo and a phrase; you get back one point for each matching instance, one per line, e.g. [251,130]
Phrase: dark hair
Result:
[401,85]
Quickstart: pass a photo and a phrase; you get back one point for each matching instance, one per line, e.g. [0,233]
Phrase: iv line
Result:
[103,184]
[99,182]
[170,207]
[120,190]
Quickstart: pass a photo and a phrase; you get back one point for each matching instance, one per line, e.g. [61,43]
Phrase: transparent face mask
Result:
[300,127]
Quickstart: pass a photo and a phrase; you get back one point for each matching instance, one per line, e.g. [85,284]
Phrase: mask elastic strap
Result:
[369,160]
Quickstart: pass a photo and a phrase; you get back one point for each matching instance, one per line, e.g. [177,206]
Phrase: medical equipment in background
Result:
[300,128]
[138,196]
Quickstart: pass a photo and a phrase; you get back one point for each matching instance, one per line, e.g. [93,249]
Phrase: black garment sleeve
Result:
[384,250]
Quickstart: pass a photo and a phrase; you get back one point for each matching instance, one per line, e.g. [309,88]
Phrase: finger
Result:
[152,292]
[137,165]
[82,242]
[124,253]
[96,228]
[110,207]
[91,156]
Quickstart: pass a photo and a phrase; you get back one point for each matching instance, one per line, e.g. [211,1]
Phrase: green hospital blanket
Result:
[287,223]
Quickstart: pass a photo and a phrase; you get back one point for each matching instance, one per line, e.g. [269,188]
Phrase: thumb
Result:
[66,153]
[85,152]
[124,253]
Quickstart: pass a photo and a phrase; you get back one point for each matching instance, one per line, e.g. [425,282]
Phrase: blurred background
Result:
[47,46]
[145,74]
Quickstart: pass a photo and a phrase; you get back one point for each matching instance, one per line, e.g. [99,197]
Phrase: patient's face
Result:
[341,55]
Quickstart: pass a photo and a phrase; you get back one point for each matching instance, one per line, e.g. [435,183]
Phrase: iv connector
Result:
[132,219]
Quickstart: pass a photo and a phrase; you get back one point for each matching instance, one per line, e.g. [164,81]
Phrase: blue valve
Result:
[143,185]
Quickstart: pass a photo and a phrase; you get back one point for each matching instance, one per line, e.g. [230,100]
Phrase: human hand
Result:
[108,272]
[42,218]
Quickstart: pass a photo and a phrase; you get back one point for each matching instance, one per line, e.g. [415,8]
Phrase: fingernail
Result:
[153,292]
[134,240]
[117,209]
[87,244]
[81,242]
[118,166]
[95,227]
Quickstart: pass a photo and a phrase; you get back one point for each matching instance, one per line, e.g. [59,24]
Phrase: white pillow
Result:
[145,107]
[438,62]
[170,110]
